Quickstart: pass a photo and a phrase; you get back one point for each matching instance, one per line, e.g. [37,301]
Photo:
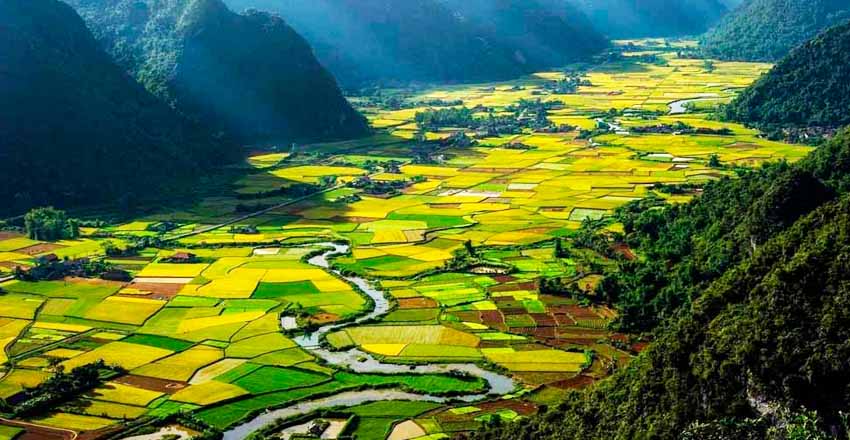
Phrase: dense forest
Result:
[545,33]
[780,98]
[369,41]
[248,76]
[651,18]
[767,30]
[747,289]
[75,127]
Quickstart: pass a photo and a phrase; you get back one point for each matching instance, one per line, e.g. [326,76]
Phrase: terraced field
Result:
[460,246]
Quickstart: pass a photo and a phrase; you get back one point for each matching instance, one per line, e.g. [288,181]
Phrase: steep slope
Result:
[767,30]
[365,41]
[74,127]
[545,33]
[250,76]
[770,331]
[810,87]
[651,18]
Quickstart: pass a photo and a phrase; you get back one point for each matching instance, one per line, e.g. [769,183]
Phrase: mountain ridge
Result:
[250,76]
[767,30]
[115,138]
[392,41]
[809,87]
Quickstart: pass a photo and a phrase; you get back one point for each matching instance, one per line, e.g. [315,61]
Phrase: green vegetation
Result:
[368,41]
[769,309]
[271,379]
[558,255]
[158,342]
[701,241]
[84,133]
[227,414]
[653,18]
[50,224]
[767,30]
[777,100]
[196,46]
[61,387]
[10,432]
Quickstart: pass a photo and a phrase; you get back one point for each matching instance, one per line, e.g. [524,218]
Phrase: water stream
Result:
[361,362]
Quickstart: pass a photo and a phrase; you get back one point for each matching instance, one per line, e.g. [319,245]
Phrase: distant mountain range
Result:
[767,30]
[248,76]
[809,87]
[363,41]
[652,18]
[74,127]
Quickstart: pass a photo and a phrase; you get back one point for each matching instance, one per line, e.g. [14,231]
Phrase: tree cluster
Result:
[50,224]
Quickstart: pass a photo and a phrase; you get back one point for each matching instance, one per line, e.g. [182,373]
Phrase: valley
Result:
[436,276]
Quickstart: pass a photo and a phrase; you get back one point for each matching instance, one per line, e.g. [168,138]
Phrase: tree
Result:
[50,224]
[560,250]
[110,248]
[469,248]
[714,161]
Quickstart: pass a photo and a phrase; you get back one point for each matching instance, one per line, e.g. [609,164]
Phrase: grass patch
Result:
[278,290]
[158,342]
[271,379]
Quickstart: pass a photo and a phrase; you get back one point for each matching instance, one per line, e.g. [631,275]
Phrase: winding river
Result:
[681,107]
[361,362]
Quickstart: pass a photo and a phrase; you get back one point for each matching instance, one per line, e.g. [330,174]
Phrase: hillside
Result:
[250,76]
[765,340]
[651,18]
[810,87]
[367,41]
[74,127]
[767,30]
[545,33]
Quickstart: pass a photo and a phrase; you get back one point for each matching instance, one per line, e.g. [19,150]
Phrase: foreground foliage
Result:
[768,330]
[83,132]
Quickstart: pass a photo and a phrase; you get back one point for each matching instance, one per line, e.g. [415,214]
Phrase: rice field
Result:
[206,336]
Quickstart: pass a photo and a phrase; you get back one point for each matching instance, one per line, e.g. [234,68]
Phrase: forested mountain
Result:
[544,33]
[810,87]
[250,76]
[74,127]
[652,18]
[760,269]
[767,30]
[364,41]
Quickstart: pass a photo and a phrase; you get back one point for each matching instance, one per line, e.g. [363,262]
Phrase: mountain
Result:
[74,127]
[250,76]
[767,30]
[810,87]
[761,349]
[544,33]
[652,18]
[368,41]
